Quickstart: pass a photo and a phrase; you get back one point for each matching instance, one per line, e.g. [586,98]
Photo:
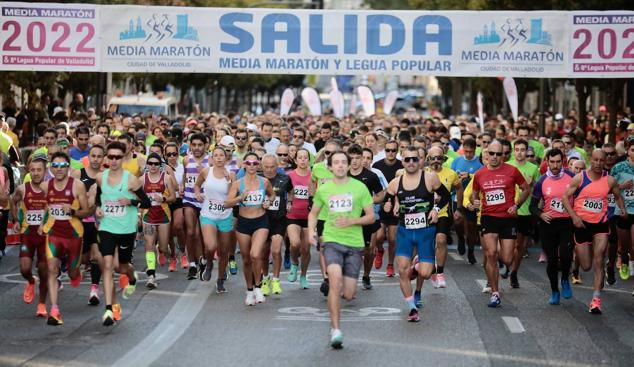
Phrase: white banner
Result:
[510,89]
[312,101]
[134,38]
[49,37]
[336,101]
[286,102]
[389,101]
[367,100]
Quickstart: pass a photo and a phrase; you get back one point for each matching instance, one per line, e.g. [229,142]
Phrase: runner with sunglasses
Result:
[253,194]
[66,205]
[497,182]
[410,197]
[119,194]
[156,220]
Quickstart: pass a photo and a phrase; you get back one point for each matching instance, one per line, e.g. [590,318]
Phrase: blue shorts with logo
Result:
[423,239]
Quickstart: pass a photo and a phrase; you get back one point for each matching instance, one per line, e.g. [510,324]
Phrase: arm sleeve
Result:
[144,200]
[534,206]
[98,196]
[444,195]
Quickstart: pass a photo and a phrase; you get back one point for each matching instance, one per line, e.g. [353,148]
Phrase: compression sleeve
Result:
[144,200]
[444,195]
[98,197]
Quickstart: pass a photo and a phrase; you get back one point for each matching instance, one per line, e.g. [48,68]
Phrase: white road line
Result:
[455,256]
[513,324]
[169,330]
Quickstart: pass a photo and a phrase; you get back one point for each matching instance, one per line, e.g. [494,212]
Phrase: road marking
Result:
[17,278]
[455,256]
[513,324]
[169,330]
[347,314]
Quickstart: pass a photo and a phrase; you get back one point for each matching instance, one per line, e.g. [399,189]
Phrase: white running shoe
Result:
[250,300]
[487,288]
[434,280]
[259,296]
[440,281]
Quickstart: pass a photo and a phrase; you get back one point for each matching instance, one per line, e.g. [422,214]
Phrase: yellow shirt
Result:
[465,199]
[450,179]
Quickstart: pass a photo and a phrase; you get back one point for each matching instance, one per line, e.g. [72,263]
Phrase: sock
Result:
[109,307]
[596,294]
[440,269]
[32,280]
[150,272]
[417,293]
[259,285]
[496,294]
[192,264]
[326,280]
[95,273]
[276,279]
[410,302]
[250,289]
[232,257]
[203,261]
[150,259]
[54,309]
[132,280]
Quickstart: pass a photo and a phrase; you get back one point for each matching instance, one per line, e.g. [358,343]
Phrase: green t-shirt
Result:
[343,200]
[531,175]
[537,147]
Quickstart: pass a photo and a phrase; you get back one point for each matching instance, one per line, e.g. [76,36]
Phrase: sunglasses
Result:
[241,138]
[327,152]
[390,150]
[530,156]
[499,154]
[60,164]
[114,157]
[282,154]
[153,163]
[171,155]
[410,159]
[298,136]
[436,158]
[610,154]
[251,163]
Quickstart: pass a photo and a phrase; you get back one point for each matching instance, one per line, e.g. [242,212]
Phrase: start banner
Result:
[122,38]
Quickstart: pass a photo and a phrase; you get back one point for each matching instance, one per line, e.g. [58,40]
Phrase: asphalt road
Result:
[186,322]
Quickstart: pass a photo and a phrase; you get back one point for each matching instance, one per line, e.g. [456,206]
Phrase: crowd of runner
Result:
[196,192]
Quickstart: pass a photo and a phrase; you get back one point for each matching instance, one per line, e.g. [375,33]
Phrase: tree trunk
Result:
[582,97]
[456,96]
[615,93]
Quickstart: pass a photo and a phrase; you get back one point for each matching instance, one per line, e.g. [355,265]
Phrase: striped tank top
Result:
[191,175]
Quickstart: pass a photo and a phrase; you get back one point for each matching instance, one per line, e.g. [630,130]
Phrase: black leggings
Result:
[557,244]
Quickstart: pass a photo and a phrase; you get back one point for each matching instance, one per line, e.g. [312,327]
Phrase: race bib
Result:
[628,195]
[216,207]
[275,205]
[557,205]
[190,180]
[300,192]
[58,212]
[593,205]
[495,197]
[415,221]
[114,209]
[611,201]
[340,203]
[34,217]
[254,198]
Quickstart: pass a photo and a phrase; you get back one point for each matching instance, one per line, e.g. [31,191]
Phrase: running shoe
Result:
[116,311]
[418,300]
[41,310]
[123,281]
[233,267]
[276,287]
[542,257]
[192,273]
[292,274]
[55,318]
[336,338]
[506,273]
[487,288]
[303,282]
[595,306]
[471,257]
[76,281]
[624,272]
[367,285]
[610,275]
[566,289]
[514,281]
[60,285]
[287,262]
[208,269]
[325,286]
[172,266]
[129,290]
[494,301]
[554,299]
[378,258]
[259,296]
[151,282]
[184,262]
[461,246]
[108,318]
[413,315]
[220,286]
[161,258]
[93,300]
[266,286]
[576,278]
[434,280]
[389,272]
[441,282]
[29,292]
[201,268]
[250,299]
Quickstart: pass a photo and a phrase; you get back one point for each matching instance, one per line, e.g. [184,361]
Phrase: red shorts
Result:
[58,247]
[32,244]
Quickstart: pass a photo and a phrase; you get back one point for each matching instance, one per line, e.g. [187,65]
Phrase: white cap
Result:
[227,140]
[57,110]
[251,126]
[454,132]
[559,116]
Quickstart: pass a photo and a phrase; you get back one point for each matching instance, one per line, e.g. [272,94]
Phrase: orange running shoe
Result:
[123,281]
[41,310]
[29,292]
[595,306]
[184,262]
[116,311]
[55,318]
[75,282]
[172,266]
[162,259]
